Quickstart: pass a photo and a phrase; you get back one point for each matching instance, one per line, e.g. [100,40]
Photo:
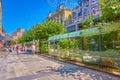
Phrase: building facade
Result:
[17,34]
[1,31]
[82,11]
[0,17]
[62,15]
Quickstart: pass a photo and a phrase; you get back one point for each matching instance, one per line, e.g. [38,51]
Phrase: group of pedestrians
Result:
[17,48]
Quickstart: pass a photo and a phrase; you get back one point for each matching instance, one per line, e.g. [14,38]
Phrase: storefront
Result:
[2,41]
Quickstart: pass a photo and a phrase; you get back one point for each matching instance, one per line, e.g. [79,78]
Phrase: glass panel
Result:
[86,9]
[80,13]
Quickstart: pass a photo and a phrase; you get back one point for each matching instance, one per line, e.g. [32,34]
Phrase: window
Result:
[94,2]
[61,19]
[80,2]
[86,9]
[74,15]
[85,2]
[71,28]
[95,10]
[80,13]
[79,26]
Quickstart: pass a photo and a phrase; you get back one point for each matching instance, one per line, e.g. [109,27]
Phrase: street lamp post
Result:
[82,47]
[54,48]
[100,44]
[68,45]
[49,46]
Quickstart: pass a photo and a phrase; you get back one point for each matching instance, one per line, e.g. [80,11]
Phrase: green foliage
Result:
[110,10]
[87,22]
[45,30]
[43,48]
[21,40]
[109,39]
[27,36]
[64,54]
[42,31]
[94,44]
[12,43]
[72,43]
[74,55]
[63,43]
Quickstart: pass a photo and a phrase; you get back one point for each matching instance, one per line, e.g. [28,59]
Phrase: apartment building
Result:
[82,11]
[17,34]
[62,15]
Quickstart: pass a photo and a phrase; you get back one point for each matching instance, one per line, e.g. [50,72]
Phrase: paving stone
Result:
[34,67]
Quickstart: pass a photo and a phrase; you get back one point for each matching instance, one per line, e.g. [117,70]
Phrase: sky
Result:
[27,13]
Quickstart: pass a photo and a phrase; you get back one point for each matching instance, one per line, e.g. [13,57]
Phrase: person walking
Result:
[25,48]
[17,49]
[33,48]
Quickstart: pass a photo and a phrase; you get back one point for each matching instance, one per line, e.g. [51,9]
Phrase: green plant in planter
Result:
[44,48]
[64,54]
[87,22]
[109,39]
[63,43]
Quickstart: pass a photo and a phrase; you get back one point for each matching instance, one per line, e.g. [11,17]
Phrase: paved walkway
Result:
[33,67]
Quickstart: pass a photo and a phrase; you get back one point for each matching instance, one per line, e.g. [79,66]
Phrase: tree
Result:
[87,23]
[41,32]
[45,30]
[21,40]
[28,36]
[110,10]
[11,43]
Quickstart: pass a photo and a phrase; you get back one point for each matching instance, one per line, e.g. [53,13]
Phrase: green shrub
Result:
[63,43]
[44,48]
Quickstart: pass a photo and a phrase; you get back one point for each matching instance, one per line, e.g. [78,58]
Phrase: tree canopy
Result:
[110,10]
[42,31]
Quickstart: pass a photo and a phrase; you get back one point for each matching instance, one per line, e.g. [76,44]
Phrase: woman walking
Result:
[33,48]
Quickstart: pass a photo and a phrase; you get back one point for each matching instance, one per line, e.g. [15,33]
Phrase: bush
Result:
[63,43]
[43,48]
[108,63]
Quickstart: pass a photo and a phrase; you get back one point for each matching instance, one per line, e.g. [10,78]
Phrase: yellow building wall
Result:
[67,14]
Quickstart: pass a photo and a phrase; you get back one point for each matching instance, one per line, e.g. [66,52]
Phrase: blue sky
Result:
[26,13]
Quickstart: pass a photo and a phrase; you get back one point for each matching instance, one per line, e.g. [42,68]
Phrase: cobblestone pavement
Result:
[3,65]
[33,67]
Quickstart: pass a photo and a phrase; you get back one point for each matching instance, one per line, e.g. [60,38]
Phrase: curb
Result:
[82,65]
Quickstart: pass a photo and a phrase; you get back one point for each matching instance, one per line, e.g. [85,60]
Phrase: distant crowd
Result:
[19,49]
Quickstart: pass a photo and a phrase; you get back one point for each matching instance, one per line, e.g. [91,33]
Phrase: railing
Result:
[108,58]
